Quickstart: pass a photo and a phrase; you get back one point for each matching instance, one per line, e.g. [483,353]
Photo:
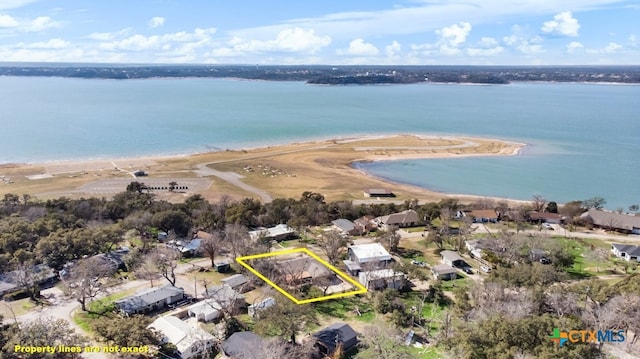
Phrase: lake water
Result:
[584,139]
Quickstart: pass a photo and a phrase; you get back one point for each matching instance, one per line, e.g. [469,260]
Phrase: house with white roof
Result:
[373,255]
[190,341]
[277,233]
[150,300]
[381,279]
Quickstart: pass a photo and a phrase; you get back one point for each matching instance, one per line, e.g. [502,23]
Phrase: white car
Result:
[485,269]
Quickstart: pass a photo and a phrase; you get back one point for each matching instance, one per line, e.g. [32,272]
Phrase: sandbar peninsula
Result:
[323,166]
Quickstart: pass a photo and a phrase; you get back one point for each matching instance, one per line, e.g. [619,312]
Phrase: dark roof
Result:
[245,345]
[337,333]
[543,216]
[629,249]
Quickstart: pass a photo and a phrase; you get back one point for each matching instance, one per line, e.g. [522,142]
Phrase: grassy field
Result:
[98,308]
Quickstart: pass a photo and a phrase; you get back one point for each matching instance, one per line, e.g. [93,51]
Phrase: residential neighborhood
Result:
[186,296]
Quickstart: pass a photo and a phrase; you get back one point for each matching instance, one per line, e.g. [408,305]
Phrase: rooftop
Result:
[370,252]
[148,297]
[181,334]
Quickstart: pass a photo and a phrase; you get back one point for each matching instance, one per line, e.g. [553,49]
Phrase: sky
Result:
[410,32]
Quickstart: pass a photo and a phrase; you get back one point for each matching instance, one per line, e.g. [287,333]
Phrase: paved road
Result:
[233,178]
[63,307]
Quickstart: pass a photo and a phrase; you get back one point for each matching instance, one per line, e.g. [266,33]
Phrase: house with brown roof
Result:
[545,217]
[408,218]
[365,224]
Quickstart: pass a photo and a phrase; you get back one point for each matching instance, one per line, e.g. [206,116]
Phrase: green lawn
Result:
[584,265]
[98,308]
[425,353]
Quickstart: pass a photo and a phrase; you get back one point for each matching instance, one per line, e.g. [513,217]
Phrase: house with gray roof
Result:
[237,282]
[381,279]
[621,222]
[345,226]
[444,272]
[402,219]
[39,274]
[150,300]
[626,251]
[218,300]
[451,258]
[244,345]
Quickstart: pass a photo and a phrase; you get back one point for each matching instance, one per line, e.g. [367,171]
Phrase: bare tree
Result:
[212,244]
[43,332]
[538,202]
[86,279]
[237,238]
[332,242]
[166,262]
[599,255]
[390,239]
[381,341]
[147,270]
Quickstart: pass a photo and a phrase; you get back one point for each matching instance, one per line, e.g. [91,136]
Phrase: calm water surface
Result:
[584,140]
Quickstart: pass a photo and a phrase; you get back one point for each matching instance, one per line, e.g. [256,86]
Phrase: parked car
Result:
[545,260]
[468,270]
[485,269]
[547,226]
[418,263]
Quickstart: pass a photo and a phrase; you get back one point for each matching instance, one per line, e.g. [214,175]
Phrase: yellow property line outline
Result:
[361,289]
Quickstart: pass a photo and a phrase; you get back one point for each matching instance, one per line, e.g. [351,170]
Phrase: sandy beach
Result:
[265,173]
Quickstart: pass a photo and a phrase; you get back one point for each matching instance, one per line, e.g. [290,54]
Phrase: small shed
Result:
[223,267]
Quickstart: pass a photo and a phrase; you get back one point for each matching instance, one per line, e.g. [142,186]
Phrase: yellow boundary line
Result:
[361,289]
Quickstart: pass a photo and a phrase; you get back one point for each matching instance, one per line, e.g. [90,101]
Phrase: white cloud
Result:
[493,51]
[524,42]
[612,47]
[563,24]
[7,21]
[155,22]
[27,25]
[574,46]
[108,36]
[14,4]
[53,44]
[455,34]
[488,42]
[358,47]
[393,49]
[296,40]
[139,42]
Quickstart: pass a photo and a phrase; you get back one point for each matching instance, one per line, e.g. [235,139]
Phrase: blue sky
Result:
[470,32]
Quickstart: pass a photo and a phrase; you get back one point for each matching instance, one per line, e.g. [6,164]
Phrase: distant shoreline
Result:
[286,170]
